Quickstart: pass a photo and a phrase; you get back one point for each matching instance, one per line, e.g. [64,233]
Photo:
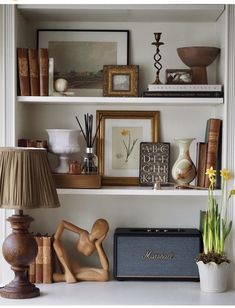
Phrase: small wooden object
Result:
[64,180]
[87,244]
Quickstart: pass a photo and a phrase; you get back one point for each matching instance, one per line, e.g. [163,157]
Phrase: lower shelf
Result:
[125,293]
[136,191]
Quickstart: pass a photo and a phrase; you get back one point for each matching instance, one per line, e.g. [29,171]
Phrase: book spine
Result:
[47,260]
[33,71]
[51,77]
[186,87]
[32,272]
[23,71]
[212,138]
[43,71]
[201,163]
[39,260]
[182,94]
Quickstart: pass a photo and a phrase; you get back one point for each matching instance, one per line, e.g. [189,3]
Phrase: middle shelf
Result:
[136,191]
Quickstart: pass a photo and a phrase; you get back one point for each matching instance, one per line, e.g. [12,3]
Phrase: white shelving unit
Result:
[127,206]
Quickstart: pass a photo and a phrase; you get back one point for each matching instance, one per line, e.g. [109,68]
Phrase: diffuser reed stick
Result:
[87,134]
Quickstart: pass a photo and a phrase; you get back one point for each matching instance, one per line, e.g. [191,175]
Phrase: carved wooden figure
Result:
[87,244]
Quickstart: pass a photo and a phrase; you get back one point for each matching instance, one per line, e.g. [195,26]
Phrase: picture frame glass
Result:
[121,82]
[122,144]
[79,56]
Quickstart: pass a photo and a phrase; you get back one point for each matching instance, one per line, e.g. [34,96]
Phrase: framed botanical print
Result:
[118,143]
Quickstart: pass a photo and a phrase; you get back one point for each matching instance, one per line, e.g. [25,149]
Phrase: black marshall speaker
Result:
[156,254]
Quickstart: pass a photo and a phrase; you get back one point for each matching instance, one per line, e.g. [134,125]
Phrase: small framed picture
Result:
[178,76]
[121,80]
[154,162]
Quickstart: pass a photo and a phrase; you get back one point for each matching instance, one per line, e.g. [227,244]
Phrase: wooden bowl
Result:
[198,58]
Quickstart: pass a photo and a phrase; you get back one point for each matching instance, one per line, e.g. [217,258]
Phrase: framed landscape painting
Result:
[79,55]
[118,143]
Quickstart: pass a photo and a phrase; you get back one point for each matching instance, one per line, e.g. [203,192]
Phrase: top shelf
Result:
[122,12]
[124,101]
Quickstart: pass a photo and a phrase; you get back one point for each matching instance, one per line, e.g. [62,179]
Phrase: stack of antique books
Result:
[184,90]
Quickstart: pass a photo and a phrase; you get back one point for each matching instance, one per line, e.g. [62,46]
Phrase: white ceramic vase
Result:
[183,170]
[213,277]
[63,142]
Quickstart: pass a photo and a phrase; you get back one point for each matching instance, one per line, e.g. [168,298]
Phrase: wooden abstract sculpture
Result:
[87,244]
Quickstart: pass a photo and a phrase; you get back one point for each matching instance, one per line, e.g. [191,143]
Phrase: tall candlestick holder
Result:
[157,57]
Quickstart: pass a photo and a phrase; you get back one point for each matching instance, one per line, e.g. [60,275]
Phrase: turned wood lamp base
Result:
[19,250]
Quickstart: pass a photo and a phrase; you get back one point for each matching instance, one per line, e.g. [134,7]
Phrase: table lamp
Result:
[25,183]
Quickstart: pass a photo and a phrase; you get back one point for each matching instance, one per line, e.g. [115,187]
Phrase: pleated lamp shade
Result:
[26,181]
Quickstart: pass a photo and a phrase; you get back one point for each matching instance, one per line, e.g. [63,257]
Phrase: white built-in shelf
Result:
[136,191]
[122,12]
[123,101]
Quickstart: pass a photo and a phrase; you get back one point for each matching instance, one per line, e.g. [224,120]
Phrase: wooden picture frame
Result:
[121,80]
[154,163]
[179,76]
[118,140]
[80,54]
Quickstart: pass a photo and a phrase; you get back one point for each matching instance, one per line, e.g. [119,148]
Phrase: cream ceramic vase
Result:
[183,170]
[63,142]
[213,277]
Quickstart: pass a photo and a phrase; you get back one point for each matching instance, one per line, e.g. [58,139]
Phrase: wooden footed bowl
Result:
[198,58]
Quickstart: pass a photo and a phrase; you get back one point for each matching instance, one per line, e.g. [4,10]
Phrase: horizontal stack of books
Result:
[184,90]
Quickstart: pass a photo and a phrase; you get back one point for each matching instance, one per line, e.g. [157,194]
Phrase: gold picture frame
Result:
[121,80]
[119,160]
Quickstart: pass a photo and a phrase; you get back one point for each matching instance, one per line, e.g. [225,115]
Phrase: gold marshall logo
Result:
[149,255]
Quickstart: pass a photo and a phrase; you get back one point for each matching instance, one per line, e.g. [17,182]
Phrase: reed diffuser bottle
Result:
[90,159]
[89,162]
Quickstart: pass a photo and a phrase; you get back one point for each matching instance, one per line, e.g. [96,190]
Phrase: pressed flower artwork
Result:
[125,149]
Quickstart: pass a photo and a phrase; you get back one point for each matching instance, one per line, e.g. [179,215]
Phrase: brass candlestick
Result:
[157,57]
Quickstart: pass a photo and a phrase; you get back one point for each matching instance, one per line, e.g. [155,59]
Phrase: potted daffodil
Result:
[213,263]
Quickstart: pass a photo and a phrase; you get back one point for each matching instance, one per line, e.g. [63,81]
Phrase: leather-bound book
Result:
[43,70]
[39,260]
[213,138]
[23,71]
[47,260]
[33,71]
[201,163]
[32,272]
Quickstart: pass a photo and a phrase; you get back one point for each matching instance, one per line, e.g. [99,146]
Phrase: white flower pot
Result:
[213,277]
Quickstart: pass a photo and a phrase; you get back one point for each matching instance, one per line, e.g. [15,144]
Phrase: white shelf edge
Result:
[135,191]
[178,101]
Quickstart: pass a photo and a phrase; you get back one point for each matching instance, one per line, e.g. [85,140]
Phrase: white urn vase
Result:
[63,142]
[183,170]
[213,277]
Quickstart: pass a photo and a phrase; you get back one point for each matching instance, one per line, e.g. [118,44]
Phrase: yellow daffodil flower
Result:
[124,132]
[226,174]
[210,172]
[232,192]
